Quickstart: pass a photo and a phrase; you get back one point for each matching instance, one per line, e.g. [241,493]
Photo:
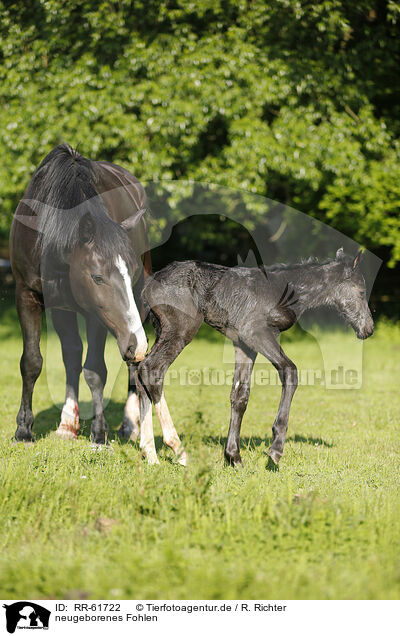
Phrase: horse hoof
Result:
[24,436]
[66,432]
[26,442]
[101,447]
[128,431]
[125,430]
[99,440]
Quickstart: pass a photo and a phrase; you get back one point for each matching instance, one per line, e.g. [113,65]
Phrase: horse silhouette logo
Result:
[26,615]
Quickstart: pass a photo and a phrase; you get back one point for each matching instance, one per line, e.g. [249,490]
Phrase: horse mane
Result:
[63,189]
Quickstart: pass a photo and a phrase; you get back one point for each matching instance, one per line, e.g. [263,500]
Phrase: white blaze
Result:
[134,322]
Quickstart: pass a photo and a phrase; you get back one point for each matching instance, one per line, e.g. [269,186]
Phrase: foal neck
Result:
[312,285]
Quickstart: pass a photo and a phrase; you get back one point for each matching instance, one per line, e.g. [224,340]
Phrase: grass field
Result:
[79,523]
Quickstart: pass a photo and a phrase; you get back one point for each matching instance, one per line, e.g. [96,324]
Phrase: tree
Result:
[295,100]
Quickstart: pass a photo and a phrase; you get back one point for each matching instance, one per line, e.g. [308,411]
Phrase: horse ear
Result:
[86,229]
[131,222]
[357,259]
[340,254]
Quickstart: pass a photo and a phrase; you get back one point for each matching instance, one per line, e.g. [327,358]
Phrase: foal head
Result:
[101,282]
[349,294]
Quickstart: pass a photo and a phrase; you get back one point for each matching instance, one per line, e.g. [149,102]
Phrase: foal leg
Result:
[66,325]
[129,428]
[30,316]
[147,445]
[95,372]
[153,369]
[267,345]
[244,362]
[170,436]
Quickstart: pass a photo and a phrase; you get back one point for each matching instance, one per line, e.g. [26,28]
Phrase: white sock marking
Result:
[69,424]
[170,436]
[132,412]
[147,445]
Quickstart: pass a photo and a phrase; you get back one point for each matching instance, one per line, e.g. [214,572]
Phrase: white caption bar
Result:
[311,618]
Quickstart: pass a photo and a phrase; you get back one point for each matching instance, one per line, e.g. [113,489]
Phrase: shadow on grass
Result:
[48,420]
[254,442]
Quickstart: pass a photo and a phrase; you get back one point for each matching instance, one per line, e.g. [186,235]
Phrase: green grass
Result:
[79,523]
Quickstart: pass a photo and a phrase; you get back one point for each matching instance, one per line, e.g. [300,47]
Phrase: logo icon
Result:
[26,615]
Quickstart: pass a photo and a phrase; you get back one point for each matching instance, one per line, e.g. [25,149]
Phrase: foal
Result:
[251,307]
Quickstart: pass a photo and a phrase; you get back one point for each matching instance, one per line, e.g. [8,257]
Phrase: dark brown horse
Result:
[76,244]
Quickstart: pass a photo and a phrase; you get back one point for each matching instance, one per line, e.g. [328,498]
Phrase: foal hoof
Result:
[183,459]
[273,459]
[237,465]
[152,460]
[235,462]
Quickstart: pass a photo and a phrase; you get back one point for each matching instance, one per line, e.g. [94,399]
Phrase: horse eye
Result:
[97,279]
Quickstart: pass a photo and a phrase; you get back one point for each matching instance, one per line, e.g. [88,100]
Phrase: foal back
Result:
[228,299]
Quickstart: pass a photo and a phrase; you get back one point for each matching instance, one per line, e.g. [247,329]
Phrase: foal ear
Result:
[340,254]
[357,259]
[131,222]
[86,229]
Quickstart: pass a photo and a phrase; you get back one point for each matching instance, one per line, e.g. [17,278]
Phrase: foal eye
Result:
[97,279]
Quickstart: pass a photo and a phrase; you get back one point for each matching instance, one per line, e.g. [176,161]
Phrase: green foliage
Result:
[298,101]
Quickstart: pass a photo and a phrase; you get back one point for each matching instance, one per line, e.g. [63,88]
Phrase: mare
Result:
[76,243]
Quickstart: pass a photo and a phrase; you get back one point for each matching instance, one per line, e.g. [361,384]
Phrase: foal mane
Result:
[310,262]
[64,189]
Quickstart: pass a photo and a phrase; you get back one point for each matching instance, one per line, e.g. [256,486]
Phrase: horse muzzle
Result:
[131,355]
[134,349]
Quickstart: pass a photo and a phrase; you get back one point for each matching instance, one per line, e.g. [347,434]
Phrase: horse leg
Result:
[66,325]
[129,428]
[95,372]
[153,369]
[265,342]
[244,362]
[30,316]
